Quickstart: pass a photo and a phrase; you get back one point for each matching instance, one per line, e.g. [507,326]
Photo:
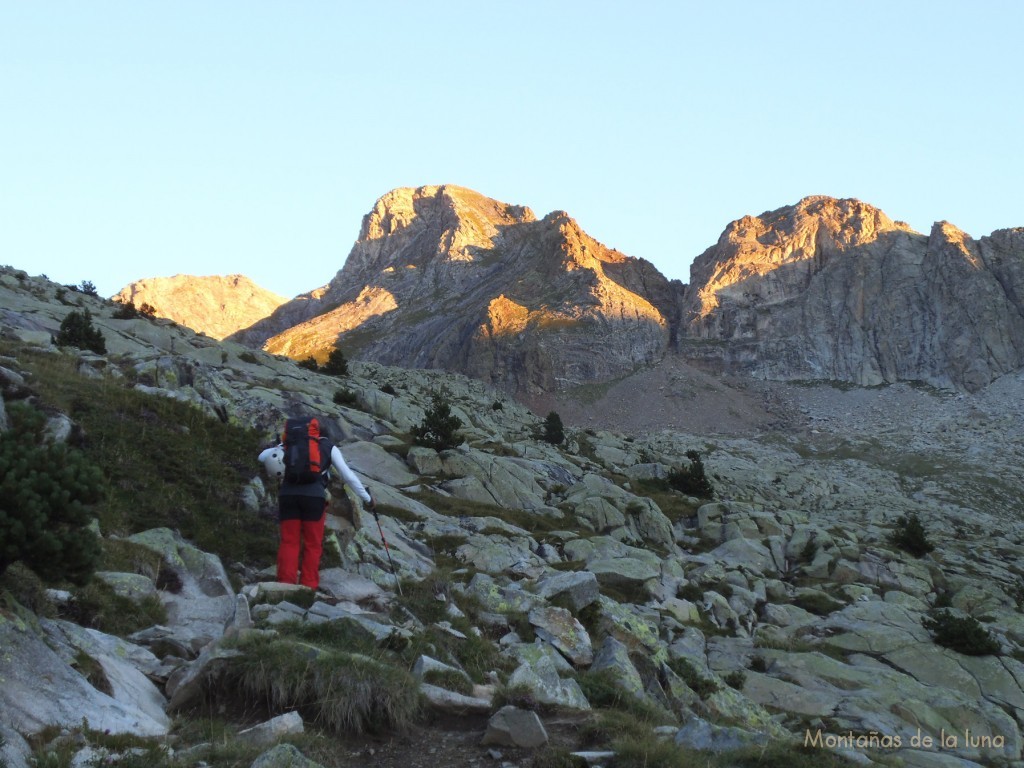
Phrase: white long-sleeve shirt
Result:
[347,475]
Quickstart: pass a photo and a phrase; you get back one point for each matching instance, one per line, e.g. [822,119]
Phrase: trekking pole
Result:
[387,551]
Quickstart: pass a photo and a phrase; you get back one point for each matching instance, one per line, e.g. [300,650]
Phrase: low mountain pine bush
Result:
[45,494]
[77,330]
[336,364]
[440,427]
[691,480]
[963,634]
[910,536]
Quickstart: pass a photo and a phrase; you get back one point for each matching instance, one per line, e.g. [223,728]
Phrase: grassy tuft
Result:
[702,686]
[343,692]
[98,606]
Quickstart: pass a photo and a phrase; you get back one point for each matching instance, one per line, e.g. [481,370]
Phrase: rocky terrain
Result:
[778,612]
[214,305]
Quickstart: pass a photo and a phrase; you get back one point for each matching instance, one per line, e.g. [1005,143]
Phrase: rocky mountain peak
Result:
[445,277]
[782,249]
[217,305]
[450,222]
[835,289]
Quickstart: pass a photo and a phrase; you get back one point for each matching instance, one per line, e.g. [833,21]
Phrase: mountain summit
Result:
[834,289]
[215,305]
[443,277]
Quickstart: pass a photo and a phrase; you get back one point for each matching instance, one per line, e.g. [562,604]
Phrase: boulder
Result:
[205,602]
[424,461]
[577,588]
[547,687]
[443,700]
[273,730]
[284,756]
[351,587]
[40,688]
[562,630]
[624,571]
[514,727]
[130,585]
[614,657]
[372,461]
[15,752]
[700,735]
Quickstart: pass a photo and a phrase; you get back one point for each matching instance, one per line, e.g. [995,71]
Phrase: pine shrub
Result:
[440,427]
[346,397]
[910,536]
[128,311]
[963,634]
[336,364]
[554,432]
[45,493]
[691,480]
[77,330]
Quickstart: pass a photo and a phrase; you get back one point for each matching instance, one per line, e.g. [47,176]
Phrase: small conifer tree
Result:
[554,432]
[77,330]
[45,492]
[336,364]
[910,536]
[128,311]
[692,480]
[310,364]
[440,427]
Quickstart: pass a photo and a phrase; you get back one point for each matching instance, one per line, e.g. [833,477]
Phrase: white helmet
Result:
[273,463]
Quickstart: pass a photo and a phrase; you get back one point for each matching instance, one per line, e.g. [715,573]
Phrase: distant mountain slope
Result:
[215,305]
[443,277]
[834,289]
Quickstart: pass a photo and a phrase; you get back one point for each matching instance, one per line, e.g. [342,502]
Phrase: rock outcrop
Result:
[835,290]
[215,305]
[443,277]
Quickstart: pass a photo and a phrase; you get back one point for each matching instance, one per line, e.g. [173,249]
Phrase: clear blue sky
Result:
[140,139]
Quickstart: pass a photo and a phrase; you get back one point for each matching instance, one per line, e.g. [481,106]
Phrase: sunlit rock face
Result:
[834,289]
[215,305]
[443,277]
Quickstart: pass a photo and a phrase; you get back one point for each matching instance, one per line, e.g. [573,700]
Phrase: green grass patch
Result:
[449,680]
[673,504]
[166,463]
[340,636]
[695,681]
[604,692]
[778,754]
[98,606]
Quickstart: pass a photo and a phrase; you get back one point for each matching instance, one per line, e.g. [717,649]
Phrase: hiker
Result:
[303,462]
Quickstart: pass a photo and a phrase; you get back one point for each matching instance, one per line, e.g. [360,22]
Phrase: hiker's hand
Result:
[372,505]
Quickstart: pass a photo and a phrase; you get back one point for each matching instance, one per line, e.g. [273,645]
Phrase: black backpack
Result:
[304,461]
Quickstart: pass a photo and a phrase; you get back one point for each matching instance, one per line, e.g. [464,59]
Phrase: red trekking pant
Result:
[302,538]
